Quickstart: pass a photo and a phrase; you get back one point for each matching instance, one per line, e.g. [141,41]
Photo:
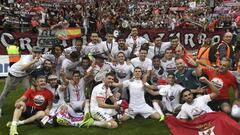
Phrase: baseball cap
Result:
[36,49]
[52,77]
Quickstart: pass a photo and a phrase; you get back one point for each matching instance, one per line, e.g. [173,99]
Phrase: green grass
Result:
[138,126]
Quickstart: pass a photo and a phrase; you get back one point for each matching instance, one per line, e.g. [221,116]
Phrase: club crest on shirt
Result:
[121,74]
[218,82]
[206,129]
[38,100]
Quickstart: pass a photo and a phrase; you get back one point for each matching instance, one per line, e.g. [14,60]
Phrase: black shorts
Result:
[149,98]
[30,111]
[215,105]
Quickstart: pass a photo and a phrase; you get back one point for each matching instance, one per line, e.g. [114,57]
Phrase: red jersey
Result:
[222,81]
[38,98]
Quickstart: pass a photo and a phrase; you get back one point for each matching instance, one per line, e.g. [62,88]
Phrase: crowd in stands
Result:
[112,14]
[110,80]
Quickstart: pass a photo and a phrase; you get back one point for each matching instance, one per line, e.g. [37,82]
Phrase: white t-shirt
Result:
[144,65]
[136,90]
[123,71]
[109,46]
[94,48]
[99,91]
[198,107]
[100,72]
[169,65]
[158,50]
[16,67]
[71,49]
[155,76]
[139,41]
[67,66]
[77,92]
[116,50]
[171,96]
[56,92]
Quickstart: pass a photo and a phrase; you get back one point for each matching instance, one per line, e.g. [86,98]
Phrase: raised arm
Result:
[214,89]
[28,65]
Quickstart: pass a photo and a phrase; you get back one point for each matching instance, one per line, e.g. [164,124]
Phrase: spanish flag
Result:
[69,33]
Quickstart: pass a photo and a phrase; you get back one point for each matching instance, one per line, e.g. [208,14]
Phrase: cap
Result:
[52,77]
[36,49]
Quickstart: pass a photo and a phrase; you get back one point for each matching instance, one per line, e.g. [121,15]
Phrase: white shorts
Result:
[145,111]
[235,111]
[103,114]
[77,105]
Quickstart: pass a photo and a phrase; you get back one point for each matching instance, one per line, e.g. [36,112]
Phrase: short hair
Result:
[178,58]
[134,26]
[168,49]
[109,32]
[171,74]
[74,55]
[120,53]
[47,60]
[53,48]
[174,37]
[41,77]
[181,94]
[79,40]
[144,47]
[156,57]
[228,60]
[110,74]
[138,68]
[120,37]
[94,32]
[76,72]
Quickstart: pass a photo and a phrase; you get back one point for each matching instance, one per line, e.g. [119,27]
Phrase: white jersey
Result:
[56,92]
[57,62]
[99,91]
[144,65]
[16,67]
[139,41]
[116,50]
[123,71]
[100,72]
[157,74]
[94,48]
[109,46]
[171,96]
[198,107]
[237,76]
[169,66]
[71,49]
[153,50]
[68,67]
[77,92]
[136,90]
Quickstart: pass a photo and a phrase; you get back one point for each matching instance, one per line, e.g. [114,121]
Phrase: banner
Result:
[4,65]
[215,123]
[191,39]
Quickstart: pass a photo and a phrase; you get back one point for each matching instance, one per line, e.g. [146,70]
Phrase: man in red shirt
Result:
[223,79]
[33,105]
